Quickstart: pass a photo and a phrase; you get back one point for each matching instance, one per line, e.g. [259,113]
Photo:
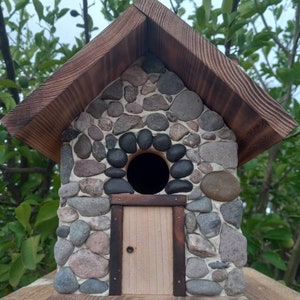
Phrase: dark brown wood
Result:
[116,241]
[148,200]
[178,251]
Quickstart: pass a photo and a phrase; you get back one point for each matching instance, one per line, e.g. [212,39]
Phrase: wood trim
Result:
[116,241]
[148,200]
[178,251]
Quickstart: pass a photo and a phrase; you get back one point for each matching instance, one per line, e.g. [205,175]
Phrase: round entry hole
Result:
[129,249]
[148,173]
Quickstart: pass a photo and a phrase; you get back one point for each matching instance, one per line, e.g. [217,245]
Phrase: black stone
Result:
[162,142]
[111,141]
[83,147]
[97,108]
[176,152]
[153,65]
[144,139]
[219,265]
[113,91]
[115,172]
[66,164]
[181,168]
[69,134]
[178,186]
[117,186]
[117,158]
[98,151]
[128,142]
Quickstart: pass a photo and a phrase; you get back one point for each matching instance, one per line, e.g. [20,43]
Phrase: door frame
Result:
[177,202]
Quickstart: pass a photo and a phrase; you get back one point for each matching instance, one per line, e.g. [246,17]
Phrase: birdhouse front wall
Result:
[145,156]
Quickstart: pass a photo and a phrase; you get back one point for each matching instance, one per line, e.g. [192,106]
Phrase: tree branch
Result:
[22,170]
[86,22]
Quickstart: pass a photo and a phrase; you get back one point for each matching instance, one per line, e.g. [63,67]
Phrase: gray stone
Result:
[88,167]
[105,124]
[233,246]
[115,109]
[226,134]
[192,140]
[232,212]
[99,222]
[192,124]
[68,190]
[63,231]
[125,123]
[219,265]
[135,75]
[220,186]
[117,158]
[153,77]
[196,268]
[178,186]
[117,186]
[93,286]
[66,163]
[162,142]
[91,186]
[127,142]
[203,287]
[155,102]
[169,83]
[193,155]
[115,172]
[153,65]
[210,136]
[90,207]
[69,134]
[235,284]
[83,147]
[202,205]
[98,151]
[148,88]
[79,232]
[114,91]
[187,106]
[83,122]
[157,122]
[176,152]
[210,121]
[200,246]
[196,177]
[195,194]
[130,93]
[67,214]
[98,242]
[96,108]
[205,167]
[65,281]
[219,275]
[86,264]
[111,141]
[190,222]
[178,131]
[222,153]
[95,133]
[144,139]
[209,224]
[181,168]
[62,251]
[134,108]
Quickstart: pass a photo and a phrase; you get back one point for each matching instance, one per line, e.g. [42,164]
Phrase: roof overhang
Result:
[257,120]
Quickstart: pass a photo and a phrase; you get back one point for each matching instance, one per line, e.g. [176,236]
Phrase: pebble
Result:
[111,141]
[196,268]
[99,222]
[192,140]
[66,163]
[114,91]
[176,152]
[67,214]
[155,102]
[202,205]
[134,108]
[235,284]
[152,64]
[128,142]
[157,122]
[115,109]
[65,281]
[115,172]
[63,231]
[79,232]
[88,167]
[178,186]
[209,224]
[169,83]
[117,158]
[232,212]
[96,108]
[105,124]
[162,142]
[93,286]
[69,134]
[144,139]
[83,147]
[117,186]
[83,122]
[130,93]
[203,287]
[91,186]
[200,246]
[98,151]
[178,131]
[98,242]
[68,190]
[210,121]
[190,222]
[135,75]
[62,251]
[95,133]
[181,168]
[125,122]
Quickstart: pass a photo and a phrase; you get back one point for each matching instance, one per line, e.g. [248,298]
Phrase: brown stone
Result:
[98,243]
[178,131]
[135,75]
[88,167]
[148,88]
[200,246]
[67,214]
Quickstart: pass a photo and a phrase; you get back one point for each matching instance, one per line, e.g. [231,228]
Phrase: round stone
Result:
[169,83]
[62,251]
[88,167]
[67,214]
[235,284]
[193,155]
[210,121]
[178,186]
[219,275]
[157,122]
[115,172]
[95,133]
[115,109]
[196,177]
[111,141]
[178,131]
[98,150]
[83,147]
[187,106]
[65,281]
[69,134]
[62,231]
[96,108]
[232,212]
[134,108]
[79,232]
[155,102]
[153,65]
[135,75]
[98,242]
[219,265]
[144,139]
[130,93]
[114,91]
[126,122]
[190,222]
[91,186]
[203,287]
[176,152]
[162,142]
[215,185]
[148,88]
[68,190]
[202,205]
[209,224]
[83,122]
[105,124]
[192,140]
[210,136]
[117,158]
[99,222]
[200,246]
[127,142]
[93,286]
[117,186]
[181,168]
[196,268]
[195,194]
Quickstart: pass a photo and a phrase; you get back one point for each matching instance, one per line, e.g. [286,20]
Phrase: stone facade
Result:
[149,109]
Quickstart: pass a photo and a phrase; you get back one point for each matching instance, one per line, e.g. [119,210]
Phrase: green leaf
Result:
[226,6]
[39,8]
[16,271]
[62,12]
[207,8]
[274,259]
[47,212]
[21,4]
[4,272]
[19,231]
[23,213]
[278,234]
[8,83]
[29,251]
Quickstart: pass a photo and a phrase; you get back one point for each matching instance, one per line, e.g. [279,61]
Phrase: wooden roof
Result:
[257,120]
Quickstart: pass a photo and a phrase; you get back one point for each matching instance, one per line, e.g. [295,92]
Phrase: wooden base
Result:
[258,287]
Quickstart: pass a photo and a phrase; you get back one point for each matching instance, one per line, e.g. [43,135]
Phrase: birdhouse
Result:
[149,123]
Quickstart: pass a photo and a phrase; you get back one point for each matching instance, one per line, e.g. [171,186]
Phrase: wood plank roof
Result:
[257,120]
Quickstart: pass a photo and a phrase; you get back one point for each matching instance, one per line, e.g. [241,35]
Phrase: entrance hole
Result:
[148,173]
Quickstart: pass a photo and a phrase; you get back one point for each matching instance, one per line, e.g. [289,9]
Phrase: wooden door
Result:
[147,251]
